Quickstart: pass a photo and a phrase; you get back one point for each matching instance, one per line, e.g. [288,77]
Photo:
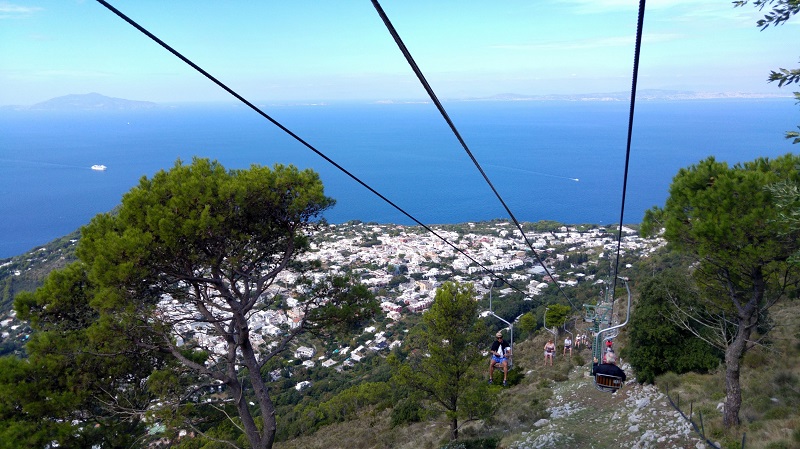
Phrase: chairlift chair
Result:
[608,383]
[605,382]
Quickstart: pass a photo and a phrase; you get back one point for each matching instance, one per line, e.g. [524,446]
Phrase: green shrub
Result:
[515,376]
[786,384]
[717,432]
[668,381]
[779,412]
[656,344]
[405,412]
[730,443]
[777,445]
[759,402]
[755,359]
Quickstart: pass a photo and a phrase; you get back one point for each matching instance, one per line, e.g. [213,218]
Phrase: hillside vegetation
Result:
[557,407]
[27,272]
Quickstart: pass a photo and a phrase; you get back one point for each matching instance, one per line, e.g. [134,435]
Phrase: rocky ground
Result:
[637,417]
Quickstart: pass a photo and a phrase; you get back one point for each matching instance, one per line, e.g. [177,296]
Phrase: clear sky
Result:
[324,50]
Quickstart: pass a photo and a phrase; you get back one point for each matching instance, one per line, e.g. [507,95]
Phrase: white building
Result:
[304,352]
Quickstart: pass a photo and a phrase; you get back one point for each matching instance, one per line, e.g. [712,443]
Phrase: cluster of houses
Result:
[404,267]
[466,257]
[427,261]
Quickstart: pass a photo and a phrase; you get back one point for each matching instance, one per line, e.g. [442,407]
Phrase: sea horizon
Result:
[549,160]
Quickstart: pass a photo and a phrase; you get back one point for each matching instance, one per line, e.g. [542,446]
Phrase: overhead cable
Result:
[435,99]
[634,79]
[296,137]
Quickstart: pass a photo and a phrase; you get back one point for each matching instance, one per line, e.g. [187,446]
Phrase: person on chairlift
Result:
[608,367]
[501,351]
[549,351]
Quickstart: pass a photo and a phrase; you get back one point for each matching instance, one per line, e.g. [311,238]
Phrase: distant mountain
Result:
[91,102]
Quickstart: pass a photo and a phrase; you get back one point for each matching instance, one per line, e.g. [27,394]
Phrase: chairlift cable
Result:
[634,79]
[435,99]
[296,137]
[358,180]
[603,381]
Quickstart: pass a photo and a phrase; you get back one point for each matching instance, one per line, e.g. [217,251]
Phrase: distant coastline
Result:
[645,94]
[98,102]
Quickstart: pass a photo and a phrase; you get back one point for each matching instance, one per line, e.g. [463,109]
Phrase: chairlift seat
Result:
[498,365]
[607,382]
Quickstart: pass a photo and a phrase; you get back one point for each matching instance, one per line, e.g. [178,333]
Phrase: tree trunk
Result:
[261,392]
[453,429]
[747,321]
[733,400]
[264,438]
[249,425]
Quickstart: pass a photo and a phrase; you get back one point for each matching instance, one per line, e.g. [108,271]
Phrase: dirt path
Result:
[635,417]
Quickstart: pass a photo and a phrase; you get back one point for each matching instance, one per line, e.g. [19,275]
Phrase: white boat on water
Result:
[99,167]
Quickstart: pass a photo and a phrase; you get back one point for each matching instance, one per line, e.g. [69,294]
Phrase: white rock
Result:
[541,422]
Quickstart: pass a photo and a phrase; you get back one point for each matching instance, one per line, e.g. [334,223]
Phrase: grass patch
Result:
[477,443]
[668,381]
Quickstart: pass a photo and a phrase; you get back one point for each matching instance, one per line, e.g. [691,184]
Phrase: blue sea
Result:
[555,160]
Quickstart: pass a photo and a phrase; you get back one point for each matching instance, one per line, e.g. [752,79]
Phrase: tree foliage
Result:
[787,200]
[725,218]
[78,370]
[161,300]
[346,405]
[445,358]
[527,322]
[658,346]
[556,315]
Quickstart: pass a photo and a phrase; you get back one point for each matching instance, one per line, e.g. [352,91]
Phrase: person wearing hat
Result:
[500,353]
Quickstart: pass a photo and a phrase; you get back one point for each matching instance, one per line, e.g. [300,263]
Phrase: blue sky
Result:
[304,50]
